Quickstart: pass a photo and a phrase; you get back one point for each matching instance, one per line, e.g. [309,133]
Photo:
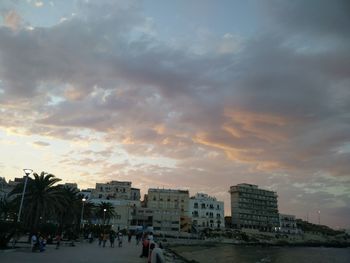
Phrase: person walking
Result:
[34,242]
[138,238]
[105,238]
[58,240]
[112,238]
[100,238]
[120,239]
[129,236]
[145,246]
[90,237]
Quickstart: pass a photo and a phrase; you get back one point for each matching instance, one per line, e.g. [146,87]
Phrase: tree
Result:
[105,211]
[71,216]
[7,209]
[42,200]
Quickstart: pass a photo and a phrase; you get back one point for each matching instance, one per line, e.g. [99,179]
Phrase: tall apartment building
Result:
[206,212]
[115,190]
[253,208]
[170,209]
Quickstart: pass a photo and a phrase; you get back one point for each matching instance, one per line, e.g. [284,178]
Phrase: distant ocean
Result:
[241,254]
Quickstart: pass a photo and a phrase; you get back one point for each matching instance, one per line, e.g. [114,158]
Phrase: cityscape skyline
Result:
[193,94]
[311,216]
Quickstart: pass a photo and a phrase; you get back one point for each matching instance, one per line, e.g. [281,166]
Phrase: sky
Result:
[186,94]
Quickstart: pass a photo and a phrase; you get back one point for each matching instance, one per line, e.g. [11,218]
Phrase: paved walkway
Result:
[81,253]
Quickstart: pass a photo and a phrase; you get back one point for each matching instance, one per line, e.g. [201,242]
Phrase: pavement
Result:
[81,253]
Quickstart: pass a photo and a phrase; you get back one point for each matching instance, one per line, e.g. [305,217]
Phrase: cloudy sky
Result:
[193,94]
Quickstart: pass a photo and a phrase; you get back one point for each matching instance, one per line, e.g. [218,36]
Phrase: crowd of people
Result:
[150,249]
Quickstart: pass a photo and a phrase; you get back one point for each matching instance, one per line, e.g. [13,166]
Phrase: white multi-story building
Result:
[206,212]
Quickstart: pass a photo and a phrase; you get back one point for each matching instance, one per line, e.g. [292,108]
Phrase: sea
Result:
[256,254]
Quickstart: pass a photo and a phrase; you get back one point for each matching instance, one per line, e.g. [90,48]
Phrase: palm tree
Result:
[7,209]
[71,216]
[105,211]
[42,200]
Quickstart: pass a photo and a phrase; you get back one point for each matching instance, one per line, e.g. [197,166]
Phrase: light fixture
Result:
[27,171]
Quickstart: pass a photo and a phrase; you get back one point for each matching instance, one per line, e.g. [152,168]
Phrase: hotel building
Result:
[252,207]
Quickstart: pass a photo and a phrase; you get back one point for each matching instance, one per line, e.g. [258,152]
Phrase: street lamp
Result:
[104,216]
[82,213]
[27,172]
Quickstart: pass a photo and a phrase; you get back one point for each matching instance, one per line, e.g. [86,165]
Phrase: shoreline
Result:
[179,251]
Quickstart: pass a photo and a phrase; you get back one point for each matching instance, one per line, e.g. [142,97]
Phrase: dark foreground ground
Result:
[81,253]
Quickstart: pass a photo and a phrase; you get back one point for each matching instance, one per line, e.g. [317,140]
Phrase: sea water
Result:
[256,254]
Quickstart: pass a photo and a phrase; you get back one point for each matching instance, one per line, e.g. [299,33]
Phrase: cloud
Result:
[270,110]
[12,20]
[41,144]
[321,18]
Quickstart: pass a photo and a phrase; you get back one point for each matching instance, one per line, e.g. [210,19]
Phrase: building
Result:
[206,212]
[121,196]
[72,186]
[253,208]
[115,190]
[288,224]
[170,209]
[142,217]
[5,188]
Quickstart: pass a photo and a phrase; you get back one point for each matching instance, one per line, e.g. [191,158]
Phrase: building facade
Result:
[252,207]
[288,224]
[206,212]
[170,209]
[115,190]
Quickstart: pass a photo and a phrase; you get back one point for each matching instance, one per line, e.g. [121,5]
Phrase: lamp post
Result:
[82,213]
[104,216]
[27,172]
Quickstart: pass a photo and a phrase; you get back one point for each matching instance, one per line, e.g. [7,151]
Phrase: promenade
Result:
[81,253]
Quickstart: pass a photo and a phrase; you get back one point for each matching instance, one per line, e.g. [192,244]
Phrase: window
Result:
[195,205]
